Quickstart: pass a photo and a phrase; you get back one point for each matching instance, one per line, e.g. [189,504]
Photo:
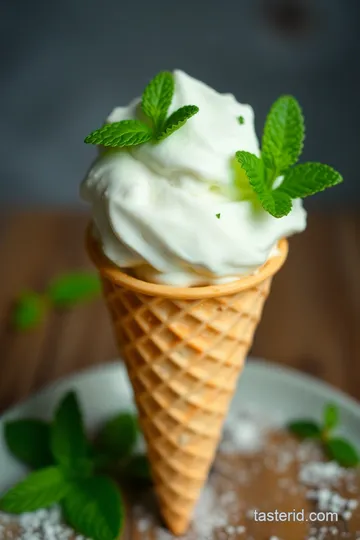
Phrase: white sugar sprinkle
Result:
[40,525]
[352,504]
[320,473]
[245,432]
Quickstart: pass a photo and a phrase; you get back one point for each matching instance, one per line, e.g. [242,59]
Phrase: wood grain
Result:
[311,320]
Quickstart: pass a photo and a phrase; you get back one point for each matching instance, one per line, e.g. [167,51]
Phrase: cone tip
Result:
[176,523]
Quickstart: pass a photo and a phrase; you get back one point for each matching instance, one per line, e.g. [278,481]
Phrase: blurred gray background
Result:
[65,64]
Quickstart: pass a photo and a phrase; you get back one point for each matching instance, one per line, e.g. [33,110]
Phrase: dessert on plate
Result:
[190,220]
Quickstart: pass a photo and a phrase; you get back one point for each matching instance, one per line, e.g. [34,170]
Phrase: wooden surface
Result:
[311,320]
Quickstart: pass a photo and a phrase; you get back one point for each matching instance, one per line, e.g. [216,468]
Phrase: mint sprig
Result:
[273,201]
[331,417]
[284,133]
[40,489]
[177,120]
[305,429]
[342,451]
[337,448]
[118,436]
[69,445]
[282,144]
[137,468]
[120,134]
[29,442]
[94,507]
[65,291]
[155,103]
[157,97]
[29,310]
[73,468]
[307,179]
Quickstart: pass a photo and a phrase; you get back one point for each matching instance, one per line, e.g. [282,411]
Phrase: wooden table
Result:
[311,320]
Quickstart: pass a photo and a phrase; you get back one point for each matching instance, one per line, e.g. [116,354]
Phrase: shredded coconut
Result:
[245,432]
[320,473]
[45,524]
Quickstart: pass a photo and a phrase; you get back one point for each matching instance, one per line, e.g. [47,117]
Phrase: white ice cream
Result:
[154,206]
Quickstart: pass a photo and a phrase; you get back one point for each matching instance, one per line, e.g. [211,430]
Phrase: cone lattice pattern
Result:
[183,358]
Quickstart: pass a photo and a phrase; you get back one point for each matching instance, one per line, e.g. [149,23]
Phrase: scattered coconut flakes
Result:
[308,450]
[284,459]
[330,501]
[321,473]
[44,524]
[245,432]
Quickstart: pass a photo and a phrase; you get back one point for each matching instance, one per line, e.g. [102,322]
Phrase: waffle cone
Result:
[184,350]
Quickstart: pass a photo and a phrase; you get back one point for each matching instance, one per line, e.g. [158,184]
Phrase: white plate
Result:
[280,392]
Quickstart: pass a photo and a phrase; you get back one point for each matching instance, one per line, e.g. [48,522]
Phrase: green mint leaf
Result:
[284,132]
[29,311]
[94,508]
[39,490]
[331,417]
[70,289]
[270,168]
[104,463]
[305,429]
[118,436]
[241,120]
[218,215]
[138,468]
[307,179]
[177,119]
[342,451]
[120,134]
[276,203]
[241,187]
[157,97]
[29,441]
[68,441]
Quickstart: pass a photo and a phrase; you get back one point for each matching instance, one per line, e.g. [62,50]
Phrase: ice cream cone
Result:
[184,349]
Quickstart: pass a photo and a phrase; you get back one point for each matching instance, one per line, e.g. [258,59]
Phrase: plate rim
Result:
[253,364]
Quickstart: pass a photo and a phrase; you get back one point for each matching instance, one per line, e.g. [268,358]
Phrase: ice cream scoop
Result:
[167,209]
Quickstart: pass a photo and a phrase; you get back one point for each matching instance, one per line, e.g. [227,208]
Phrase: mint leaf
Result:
[94,508]
[284,132]
[241,186]
[342,451]
[307,179]
[29,441]
[28,311]
[68,441]
[331,416]
[305,429]
[138,468]
[276,203]
[118,436]
[157,97]
[120,134]
[39,490]
[70,289]
[177,120]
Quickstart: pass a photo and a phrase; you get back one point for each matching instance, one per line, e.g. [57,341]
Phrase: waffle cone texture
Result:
[184,350]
